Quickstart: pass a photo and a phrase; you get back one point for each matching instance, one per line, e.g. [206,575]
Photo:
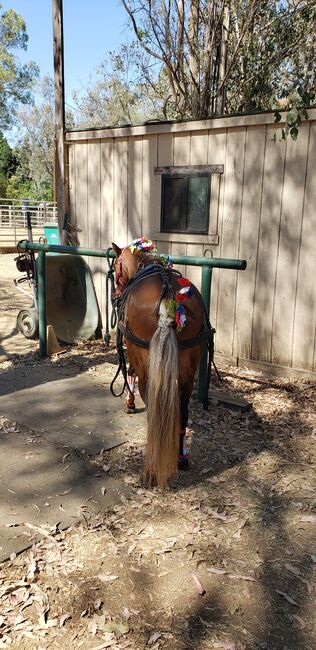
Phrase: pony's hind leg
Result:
[183,461]
[130,399]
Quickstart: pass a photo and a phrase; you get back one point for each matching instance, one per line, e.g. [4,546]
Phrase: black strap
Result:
[204,335]
[121,366]
[109,292]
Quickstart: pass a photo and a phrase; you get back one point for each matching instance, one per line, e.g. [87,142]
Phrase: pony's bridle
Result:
[120,281]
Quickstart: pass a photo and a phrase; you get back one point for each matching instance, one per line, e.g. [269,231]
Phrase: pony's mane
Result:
[149,257]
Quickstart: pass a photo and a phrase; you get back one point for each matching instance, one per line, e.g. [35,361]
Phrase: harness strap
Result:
[204,335]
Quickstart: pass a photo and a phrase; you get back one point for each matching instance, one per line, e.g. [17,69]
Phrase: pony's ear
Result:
[117,249]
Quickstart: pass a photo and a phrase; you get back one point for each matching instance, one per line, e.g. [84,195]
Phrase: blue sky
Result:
[91,29]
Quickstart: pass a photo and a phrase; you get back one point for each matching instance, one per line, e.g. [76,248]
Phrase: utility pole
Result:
[59,84]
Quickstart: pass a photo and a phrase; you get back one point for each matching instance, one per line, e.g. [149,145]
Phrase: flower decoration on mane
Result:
[175,308]
[147,246]
[142,244]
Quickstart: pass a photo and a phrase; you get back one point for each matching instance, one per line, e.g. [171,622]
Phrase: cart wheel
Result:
[27,322]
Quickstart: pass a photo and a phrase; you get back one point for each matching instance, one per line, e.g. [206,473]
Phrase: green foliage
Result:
[16,80]
[37,125]
[194,59]
[8,160]
[22,188]
[8,164]
[295,106]
[3,186]
[119,96]
[32,174]
[197,58]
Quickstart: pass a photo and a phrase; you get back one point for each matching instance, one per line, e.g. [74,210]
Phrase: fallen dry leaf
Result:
[309,518]
[238,576]
[63,619]
[287,597]
[122,628]
[198,584]
[300,620]
[106,577]
[213,569]
[154,637]
[293,569]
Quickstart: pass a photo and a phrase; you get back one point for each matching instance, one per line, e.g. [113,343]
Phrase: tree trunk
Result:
[221,97]
[194,57]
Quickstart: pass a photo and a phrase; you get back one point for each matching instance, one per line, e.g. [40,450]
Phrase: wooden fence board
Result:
[72,183]
[229,235]
[181,150]
[94,214]
[81,158]
[120,215]
[151,187]
[272,191]
[286,273]
[198,156]
[216,155]
[248,249]
[106,210]
[107,194]
[135,188]
[165,149]
[305,305]
[199,148]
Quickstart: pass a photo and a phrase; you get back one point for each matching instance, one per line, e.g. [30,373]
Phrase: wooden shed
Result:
[262,207]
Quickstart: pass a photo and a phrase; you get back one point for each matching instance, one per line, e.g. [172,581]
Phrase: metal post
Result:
[206,295]
[14,224]
[41,261]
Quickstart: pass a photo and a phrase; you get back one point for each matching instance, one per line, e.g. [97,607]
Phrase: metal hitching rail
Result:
[206,263]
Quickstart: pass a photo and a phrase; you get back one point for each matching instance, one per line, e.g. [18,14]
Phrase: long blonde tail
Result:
[163,405]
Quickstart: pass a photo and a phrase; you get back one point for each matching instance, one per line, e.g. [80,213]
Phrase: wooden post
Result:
[60,166]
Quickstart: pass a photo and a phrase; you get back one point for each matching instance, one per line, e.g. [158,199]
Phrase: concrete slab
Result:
[69,408]
[40,486]
[45,472]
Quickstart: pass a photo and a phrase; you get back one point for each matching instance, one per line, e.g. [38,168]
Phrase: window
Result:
[189,209]
[185,203]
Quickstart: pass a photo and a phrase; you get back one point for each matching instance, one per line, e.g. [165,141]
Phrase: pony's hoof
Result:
[128,410]
[183,464]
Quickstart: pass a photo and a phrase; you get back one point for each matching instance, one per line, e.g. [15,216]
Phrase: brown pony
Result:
[164,360]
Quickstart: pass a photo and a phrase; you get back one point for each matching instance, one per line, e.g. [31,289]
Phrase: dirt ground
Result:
[223,559]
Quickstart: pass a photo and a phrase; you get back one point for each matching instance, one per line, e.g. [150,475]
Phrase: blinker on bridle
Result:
[119,278]
[120,281]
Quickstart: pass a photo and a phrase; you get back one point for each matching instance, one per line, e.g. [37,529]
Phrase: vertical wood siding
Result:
[263,208]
